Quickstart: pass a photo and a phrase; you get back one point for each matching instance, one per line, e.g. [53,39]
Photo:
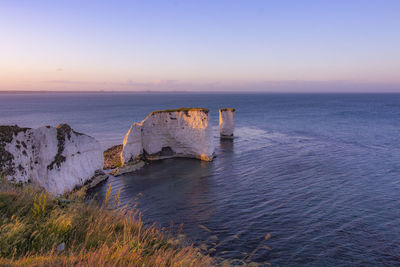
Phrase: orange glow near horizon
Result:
[75,46]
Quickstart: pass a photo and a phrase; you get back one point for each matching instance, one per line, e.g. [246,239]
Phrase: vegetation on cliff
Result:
[41,230]
[112,157]
[6,135]
[186,110]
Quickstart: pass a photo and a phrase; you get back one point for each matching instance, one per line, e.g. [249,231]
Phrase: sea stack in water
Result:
[57,159]
[226,122]
[184,132]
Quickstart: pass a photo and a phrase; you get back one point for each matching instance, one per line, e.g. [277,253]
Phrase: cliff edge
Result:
[57,159]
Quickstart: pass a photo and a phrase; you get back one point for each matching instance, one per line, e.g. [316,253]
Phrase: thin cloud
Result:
[66,82]
[278,86]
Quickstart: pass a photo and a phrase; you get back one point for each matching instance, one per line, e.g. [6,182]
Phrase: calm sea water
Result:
[320,173]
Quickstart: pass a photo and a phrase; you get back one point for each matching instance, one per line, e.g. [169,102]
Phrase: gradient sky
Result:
[248,45]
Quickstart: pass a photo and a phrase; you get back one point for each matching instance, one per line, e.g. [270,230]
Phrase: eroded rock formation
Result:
[226,122]
[184,132]
[57,159]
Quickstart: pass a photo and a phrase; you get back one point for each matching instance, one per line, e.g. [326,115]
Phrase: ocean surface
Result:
[320,173]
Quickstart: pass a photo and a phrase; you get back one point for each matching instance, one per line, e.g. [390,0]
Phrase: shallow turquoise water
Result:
[320,173]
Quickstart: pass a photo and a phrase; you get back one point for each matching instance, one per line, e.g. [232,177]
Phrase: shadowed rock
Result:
[226,122]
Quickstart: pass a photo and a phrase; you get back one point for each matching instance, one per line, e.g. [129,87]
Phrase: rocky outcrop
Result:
[128,168]
[57,159]
[184,132]
[226,122]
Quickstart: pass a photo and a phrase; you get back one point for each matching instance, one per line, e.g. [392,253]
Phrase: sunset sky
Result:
[273,46]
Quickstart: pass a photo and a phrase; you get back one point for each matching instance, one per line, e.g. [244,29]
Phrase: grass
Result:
[112,157]
[180,109]
[38,229]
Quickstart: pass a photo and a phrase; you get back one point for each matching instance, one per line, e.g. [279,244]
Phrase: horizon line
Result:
[189,92]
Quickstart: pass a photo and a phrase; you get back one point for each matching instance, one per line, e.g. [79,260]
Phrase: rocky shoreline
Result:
[60,159]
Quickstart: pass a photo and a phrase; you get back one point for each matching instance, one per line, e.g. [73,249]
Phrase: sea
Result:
[308,180]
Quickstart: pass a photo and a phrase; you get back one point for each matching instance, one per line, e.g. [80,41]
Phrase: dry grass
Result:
[71,232]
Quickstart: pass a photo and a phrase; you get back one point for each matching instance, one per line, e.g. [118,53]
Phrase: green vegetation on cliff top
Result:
[180,109]
[112,157]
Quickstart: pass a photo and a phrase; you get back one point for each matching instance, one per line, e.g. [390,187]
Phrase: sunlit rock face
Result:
[132,146]
[170,133]
[57,159]
[226,122]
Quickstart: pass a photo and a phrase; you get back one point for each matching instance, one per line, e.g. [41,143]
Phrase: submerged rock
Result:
[98,177]
[184,132]
[57,159]
[226,122]
[127,168]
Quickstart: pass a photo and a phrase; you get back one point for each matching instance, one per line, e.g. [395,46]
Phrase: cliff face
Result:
[132,147]
[226,122]
[170,133]
[57,159]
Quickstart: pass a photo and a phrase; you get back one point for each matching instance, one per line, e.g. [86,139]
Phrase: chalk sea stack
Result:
[57,159]
[183,132]
[226,122]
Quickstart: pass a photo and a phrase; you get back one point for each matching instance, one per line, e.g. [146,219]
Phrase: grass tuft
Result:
[38,229]
[41,230]
[39,204]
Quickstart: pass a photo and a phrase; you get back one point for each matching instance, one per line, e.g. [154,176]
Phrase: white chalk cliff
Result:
[184,132]
[226,122]
[132,145]
[57,159]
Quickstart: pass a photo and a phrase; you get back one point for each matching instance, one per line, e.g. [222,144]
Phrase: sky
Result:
[227,45]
